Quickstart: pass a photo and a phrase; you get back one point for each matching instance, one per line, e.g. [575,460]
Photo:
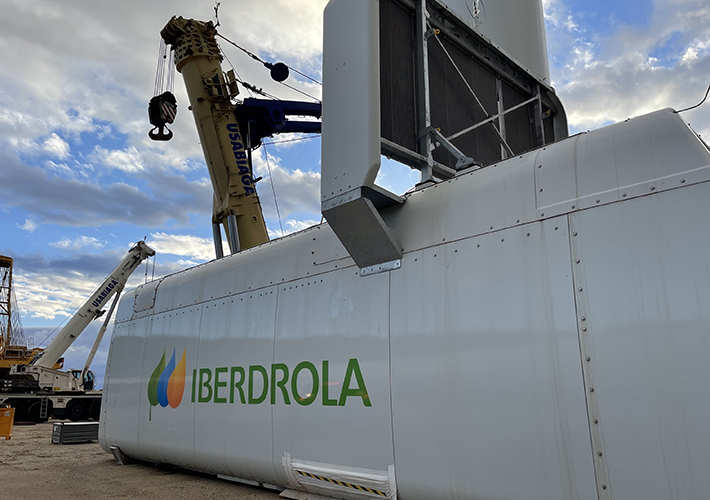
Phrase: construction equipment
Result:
[36,388]
[228,131]
[14,348]
[532,328]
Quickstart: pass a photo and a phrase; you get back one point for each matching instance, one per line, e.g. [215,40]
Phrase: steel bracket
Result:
[381,268]
[462,161]
[118,455]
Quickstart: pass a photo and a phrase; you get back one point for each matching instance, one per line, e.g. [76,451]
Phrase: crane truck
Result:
[37,389]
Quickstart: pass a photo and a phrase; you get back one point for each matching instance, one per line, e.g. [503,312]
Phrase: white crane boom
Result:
[92,307]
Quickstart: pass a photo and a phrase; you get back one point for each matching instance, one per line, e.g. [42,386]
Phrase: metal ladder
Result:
[44,406]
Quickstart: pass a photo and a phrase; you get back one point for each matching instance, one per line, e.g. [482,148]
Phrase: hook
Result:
[160,135]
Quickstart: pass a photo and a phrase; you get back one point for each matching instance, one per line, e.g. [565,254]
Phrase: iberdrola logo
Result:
[167,383]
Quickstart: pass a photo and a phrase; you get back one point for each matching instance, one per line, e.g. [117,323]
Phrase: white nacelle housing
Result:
[554,296]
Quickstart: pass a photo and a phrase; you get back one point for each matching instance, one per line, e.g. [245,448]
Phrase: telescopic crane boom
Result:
[37,390]
[92,308]
[236,204]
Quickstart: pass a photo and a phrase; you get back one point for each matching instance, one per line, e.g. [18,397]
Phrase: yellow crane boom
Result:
[236,204]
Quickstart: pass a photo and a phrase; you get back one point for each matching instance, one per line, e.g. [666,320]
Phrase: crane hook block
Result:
[161,111]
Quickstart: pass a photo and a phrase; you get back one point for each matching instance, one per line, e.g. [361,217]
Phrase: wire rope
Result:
[305,138]
[697,105]
[239,77]
[273,190]
[259,59]
[300,91]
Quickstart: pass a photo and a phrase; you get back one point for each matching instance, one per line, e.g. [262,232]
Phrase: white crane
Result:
[40,368]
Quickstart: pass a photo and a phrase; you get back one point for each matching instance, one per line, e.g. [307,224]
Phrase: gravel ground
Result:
[31,467]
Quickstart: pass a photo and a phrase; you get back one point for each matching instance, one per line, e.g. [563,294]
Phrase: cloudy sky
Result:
[80,181]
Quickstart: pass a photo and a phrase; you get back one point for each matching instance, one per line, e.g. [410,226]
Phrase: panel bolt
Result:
[596,421]
[584,329]
[577,261]
[599,453]
[653,188]
[584,318]
[588,358]
[579,289]
[603,486]
[682,181]
[591,389]
[574,234]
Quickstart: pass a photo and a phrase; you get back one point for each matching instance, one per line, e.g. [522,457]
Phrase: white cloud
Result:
[631,70]
[56,146]
[290,226]
[694,51]
[29,226]
[51,295]
[296,190]
[293,225]
[78,243]
[127,160]
[198,249]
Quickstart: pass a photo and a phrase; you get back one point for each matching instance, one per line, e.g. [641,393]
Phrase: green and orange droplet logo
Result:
[167,383]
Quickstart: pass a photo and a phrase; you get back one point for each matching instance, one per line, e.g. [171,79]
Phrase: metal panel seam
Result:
[621,200]
[273,360]
[585,375]
[253,290]
[194,407]
[140,401]
[389,356]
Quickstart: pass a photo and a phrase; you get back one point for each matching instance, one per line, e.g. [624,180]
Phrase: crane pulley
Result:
[162,108]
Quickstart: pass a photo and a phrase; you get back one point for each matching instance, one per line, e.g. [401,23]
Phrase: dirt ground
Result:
[31,467]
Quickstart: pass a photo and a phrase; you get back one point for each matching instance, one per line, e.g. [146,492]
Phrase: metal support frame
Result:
[217,237]
[118,455]
[491,119]
[539,137]
[501,113]
[434,18]
[425,144]
[100,336]
[462,161]
[414,160]
[233,235]
[475,97]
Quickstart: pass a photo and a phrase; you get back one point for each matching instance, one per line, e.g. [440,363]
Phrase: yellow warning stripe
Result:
[342,483]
